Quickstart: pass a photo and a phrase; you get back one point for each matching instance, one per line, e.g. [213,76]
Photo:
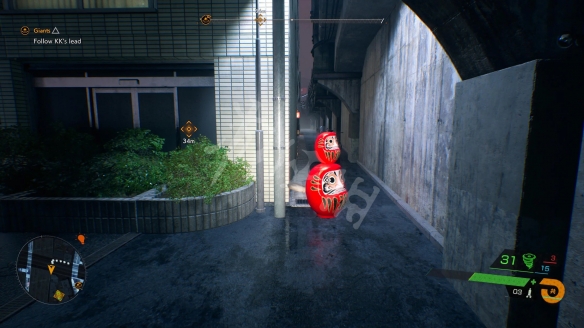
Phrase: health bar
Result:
[480,277]
[499,280]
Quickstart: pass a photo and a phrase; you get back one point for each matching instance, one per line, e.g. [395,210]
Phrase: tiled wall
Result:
[173,33]
[236,103]
[236,113]
[13,94]
[145,214]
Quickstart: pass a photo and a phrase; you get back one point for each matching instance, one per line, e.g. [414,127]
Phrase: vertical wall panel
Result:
[407,99]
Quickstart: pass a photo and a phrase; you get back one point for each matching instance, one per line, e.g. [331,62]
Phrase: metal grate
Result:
[298,199]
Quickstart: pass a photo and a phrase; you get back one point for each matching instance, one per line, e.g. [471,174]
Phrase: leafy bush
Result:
[203,169]
[138,141]
[67,163]
[131,164]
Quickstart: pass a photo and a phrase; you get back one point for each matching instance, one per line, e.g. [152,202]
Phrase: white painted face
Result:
[333,183]
[330,143]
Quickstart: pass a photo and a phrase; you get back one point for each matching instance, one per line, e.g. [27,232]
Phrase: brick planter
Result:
[144,213]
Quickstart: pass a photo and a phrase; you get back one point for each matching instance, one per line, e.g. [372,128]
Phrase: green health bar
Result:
[480,277]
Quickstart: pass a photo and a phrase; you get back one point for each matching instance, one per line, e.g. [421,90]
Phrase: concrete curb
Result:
[144,213]
[426,228]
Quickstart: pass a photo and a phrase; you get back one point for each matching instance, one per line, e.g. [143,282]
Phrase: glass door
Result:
[154,109]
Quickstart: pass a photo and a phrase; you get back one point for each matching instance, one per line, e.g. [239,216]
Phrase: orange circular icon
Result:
[24,30]
[554,292]
[206,19]
[81,239]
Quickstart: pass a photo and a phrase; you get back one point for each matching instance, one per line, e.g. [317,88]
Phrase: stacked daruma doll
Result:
[325,186]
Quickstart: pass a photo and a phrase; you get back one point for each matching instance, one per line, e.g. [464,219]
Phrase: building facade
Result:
[109,65]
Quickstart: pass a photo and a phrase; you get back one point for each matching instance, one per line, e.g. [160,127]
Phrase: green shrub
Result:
[138,141]
[131,164]
[203,169]
[66,163]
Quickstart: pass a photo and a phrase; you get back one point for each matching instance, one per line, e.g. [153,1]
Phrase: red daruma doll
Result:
[327,148]
[325,190]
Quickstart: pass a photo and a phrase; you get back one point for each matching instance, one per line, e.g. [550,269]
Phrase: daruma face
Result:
[327,147]
[325,190]
[333,183]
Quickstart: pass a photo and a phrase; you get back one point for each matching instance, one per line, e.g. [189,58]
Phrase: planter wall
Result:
[144,213]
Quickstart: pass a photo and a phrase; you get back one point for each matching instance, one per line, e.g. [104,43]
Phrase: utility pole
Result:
[259,132]
[279,65]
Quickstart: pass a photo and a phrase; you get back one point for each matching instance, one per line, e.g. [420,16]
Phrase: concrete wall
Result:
[407,95]
[572,307]
[515,151]
[489,142]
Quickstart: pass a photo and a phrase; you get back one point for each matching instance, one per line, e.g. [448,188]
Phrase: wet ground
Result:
[300,271]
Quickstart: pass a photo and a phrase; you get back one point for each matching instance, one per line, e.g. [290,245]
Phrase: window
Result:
[64,6]
[44,4]
[115,4]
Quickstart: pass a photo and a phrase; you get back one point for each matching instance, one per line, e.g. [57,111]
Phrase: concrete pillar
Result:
[279,49]
[259,132]
[354,125]
[349,135]
[571,309]
[515,147]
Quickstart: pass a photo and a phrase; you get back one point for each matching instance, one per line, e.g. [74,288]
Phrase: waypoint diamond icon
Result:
[260,19]
[188,129]
[59,295]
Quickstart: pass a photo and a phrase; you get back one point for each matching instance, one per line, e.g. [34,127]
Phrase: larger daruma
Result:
[325,190]
[327,148]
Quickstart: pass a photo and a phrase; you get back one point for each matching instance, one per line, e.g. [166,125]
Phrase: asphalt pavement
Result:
[300,271]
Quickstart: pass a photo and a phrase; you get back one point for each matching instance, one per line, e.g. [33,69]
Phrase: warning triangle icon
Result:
[51,268]
[55,31]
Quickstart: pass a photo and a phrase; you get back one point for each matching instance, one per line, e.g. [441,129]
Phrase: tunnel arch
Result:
[347,91]
[484,36]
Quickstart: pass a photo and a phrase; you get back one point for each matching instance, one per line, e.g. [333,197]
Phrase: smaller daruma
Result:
[327,148]
[325,190]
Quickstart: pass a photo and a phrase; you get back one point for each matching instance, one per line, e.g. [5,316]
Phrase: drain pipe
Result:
[259,132]
[279,65]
